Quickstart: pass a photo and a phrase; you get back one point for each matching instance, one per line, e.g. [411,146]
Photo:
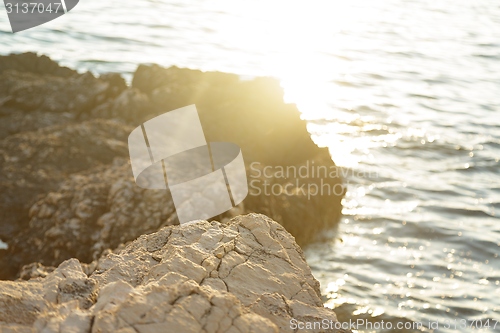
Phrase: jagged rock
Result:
[33,63]
[149,77]
[103,207]
[128,106]
[36,163]
[35,270]
[66,185]
[14,122]
[116,83]
[247,275]
[36,92]
[251,113]
[89,213]
[76,94]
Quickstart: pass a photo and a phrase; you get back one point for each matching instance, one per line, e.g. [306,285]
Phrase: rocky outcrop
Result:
[270,133]
[89,213]
[34,164]
[66,183]
[250,113]
[33,63]
[35,92]
[246,275]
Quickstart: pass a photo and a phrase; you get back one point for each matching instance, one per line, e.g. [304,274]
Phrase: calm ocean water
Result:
[405,93]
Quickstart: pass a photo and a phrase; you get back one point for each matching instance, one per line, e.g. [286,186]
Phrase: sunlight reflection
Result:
[305,52]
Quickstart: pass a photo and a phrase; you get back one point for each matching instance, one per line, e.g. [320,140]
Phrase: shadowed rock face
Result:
[249,113]
[67,189]
[36,162]
[246,275]
[270,133]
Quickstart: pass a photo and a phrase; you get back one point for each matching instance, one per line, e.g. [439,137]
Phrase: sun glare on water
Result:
[300,40]
[303,41]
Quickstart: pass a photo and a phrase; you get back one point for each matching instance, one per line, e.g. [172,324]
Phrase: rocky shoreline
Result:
[246,275]
[68,193]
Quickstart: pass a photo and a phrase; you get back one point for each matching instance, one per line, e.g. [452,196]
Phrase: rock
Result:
[75,94]
[128,105]
[36,92]
[251,113]
[116,83]
[14,121]
[33,63]
[67,190]
[36,163]
[247,275]
[148,78]
[89,213]
[35,270]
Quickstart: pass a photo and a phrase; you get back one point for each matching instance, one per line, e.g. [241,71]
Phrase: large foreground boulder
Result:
[247,275]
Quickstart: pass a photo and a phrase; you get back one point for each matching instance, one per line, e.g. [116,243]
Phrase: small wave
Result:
[422,96]
[487,56]
[344,83]
[470,212]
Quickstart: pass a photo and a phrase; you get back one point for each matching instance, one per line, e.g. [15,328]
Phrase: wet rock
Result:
[247,275]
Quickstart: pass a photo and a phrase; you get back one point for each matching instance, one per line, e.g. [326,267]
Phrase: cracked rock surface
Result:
[246,275]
